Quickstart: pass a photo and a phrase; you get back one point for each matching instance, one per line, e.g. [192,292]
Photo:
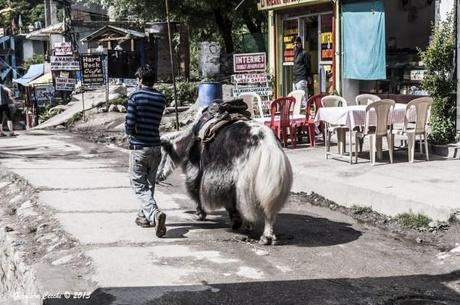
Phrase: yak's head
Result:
[175,147]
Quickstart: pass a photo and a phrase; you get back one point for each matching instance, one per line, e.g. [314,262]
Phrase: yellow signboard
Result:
[326,37]
[275,4]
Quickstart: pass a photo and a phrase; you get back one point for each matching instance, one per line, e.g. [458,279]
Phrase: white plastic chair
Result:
[382,110]
[366,99]
[335,101]
[252,99]
[422,107]
[299,96]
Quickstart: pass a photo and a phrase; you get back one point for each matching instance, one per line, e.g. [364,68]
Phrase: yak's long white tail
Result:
[266,179]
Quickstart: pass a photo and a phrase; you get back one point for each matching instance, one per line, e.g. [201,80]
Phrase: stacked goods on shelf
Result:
[289,35]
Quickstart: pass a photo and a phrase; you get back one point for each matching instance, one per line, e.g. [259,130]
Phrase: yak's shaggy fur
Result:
[243,169]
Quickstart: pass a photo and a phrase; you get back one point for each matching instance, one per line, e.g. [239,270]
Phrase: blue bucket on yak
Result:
[207,92]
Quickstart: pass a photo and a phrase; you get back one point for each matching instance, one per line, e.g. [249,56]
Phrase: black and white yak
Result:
[242,169]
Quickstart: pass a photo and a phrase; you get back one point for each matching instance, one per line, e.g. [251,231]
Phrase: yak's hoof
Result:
[267,240]
[200,215]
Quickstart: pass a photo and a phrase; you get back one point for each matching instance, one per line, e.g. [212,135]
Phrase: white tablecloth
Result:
[355,115]
[266,120]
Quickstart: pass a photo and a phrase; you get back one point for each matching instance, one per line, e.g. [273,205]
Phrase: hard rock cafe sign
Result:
[272,4]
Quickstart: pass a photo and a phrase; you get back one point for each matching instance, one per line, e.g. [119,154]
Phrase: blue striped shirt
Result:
[145,109]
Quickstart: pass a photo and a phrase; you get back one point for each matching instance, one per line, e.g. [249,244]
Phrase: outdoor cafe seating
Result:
[375,120]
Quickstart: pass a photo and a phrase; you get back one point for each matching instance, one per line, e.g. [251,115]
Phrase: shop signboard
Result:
[326,37]
[43,93]
[65,84]
[250,78]
[92,69]
[62,48]
[274,4]
[249,62]
[64,63]
[260,90]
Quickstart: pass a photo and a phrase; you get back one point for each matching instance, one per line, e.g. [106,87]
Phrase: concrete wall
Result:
[31,47]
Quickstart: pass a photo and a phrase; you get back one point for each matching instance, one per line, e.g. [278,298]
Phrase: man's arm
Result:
[130,122]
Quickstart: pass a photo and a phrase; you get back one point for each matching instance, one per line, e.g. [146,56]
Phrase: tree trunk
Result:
[225,26]
[255,28]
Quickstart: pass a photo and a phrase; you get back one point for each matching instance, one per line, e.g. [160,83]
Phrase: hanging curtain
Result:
[364,40]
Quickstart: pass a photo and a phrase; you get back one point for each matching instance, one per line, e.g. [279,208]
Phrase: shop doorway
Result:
[316,32]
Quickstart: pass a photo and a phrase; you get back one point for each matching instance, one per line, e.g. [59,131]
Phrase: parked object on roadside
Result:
[242,169]
[145,110]
[6,101]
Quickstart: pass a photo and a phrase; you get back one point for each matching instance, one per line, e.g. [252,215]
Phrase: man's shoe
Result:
[160,220]
[143,222]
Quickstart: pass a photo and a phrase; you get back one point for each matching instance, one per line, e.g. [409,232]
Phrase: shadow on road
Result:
[420,289]
[291,229]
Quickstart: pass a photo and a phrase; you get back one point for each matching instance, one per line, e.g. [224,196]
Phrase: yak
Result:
[241,167]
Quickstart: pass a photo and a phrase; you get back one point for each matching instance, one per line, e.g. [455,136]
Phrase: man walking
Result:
[302,67]
[6,97]
[145,110]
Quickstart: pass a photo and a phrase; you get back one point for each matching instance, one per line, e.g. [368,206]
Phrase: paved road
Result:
[324,257]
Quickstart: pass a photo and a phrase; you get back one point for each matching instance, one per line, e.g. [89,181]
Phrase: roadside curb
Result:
[38,259]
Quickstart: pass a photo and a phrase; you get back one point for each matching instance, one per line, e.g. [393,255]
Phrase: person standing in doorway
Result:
[302,67]
[6,98]
[145,110]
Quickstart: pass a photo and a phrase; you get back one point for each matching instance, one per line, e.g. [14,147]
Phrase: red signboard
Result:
[247,62]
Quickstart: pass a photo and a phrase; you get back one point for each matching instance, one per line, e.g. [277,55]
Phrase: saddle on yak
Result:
[219,114]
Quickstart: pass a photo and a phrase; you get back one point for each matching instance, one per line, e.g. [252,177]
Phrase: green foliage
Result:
[358,210]
[187,92]
[47,112]
[122,100]
[439,81]
[35,59]
[30,11]
[413,221]
[74,119]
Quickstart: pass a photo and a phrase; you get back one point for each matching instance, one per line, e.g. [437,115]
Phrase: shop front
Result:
[381,43]
[314,22]
[356,46]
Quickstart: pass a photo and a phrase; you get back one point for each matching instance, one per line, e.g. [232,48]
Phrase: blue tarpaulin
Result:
[364,40]
[33,72]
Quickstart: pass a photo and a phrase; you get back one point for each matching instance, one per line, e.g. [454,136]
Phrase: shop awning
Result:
[46,78]
[364,40]
[33,72]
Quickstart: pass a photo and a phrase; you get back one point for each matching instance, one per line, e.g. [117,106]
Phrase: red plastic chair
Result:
[282,125]
[309,122]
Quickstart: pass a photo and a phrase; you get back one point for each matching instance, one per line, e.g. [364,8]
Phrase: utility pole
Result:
[172,64]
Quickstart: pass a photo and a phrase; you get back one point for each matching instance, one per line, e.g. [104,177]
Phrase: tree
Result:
[29,10]
[202,16]
[440,80]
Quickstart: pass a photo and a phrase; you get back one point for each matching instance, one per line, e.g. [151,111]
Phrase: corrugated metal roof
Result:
[57,28]
[127,32]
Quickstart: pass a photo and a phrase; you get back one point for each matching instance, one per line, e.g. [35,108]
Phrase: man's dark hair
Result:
[146,74]
[298,39]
